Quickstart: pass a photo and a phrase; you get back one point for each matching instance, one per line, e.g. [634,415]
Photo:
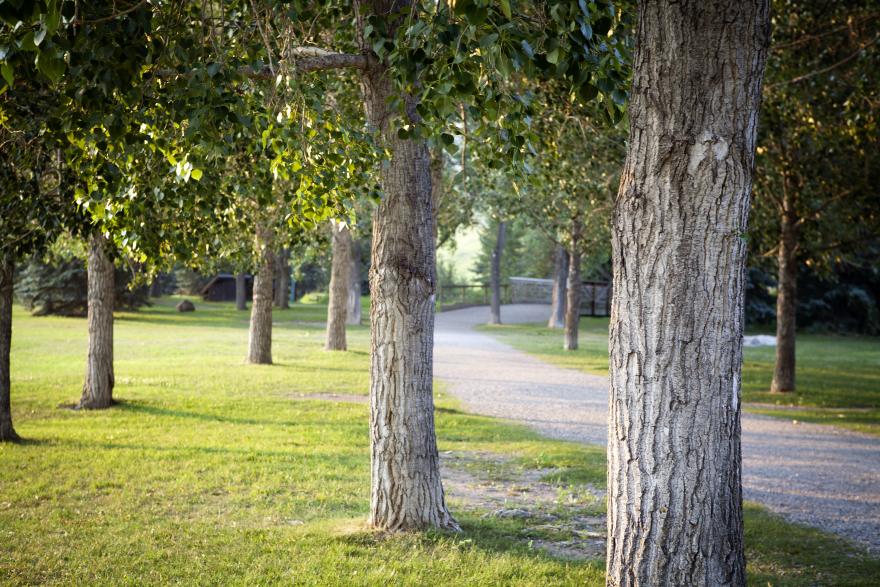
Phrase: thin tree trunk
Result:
[786,299]
[353,315]
[497,252]
[573,301]
[7,272]
[406,490]
[674,472]
[260,336]
[560,279]
[97,390]
[282,293]
[156,286]
[340,274]
[240,291]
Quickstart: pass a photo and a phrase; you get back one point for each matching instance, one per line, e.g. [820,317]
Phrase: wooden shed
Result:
[222,288]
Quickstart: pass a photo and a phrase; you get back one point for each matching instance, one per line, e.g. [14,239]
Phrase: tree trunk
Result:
[560,278]
[156,286]
[573,301]
[97,390]
[7,272]
[406,490]
[282,293]
[786,299]
[260,337]
[340,274]
[674,472]
[353,315]
[240,291]
[497,252]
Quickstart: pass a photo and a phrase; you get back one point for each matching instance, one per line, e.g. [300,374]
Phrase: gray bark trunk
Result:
[7,272]
[240,291]
[354,314]
[97,392]
[497,252]
[282,292]
[406,490]
[573,301]
[560,279]
[786,299]
[260,336]
[674,473]
[156,287]
[340,274]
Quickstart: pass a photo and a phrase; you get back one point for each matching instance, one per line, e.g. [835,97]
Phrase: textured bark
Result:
[260,336]
[97,392]
[240,291]
[7,267]
[495,279]
[340,274]
[674,473]
[786,299]
[282,291]
[573,301]
[406,490]
[354,313]
[560,279]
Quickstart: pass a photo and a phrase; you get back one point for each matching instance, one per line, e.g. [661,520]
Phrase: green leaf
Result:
[51,65]
[505,8]
[196,174]
[8,73]
[553,56]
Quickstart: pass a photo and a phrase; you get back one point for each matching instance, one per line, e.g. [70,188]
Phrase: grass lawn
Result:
[838,377]
[210,471]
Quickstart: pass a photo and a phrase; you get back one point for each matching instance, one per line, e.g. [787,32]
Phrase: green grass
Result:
[210,471]
[838,377]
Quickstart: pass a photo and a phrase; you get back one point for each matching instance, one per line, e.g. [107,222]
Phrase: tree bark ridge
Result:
[7,273]
[260,333]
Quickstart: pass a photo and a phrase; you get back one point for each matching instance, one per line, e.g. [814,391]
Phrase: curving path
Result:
[813,474]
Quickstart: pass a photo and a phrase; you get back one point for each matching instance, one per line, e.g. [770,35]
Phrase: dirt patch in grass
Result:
[567,521]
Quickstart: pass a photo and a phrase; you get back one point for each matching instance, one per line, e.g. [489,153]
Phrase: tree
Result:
[260,330]
[495,282]
[240,291]
[97,392]
[674,473]
[569,192]
[340,288]
[818,157]
[282,269]
[560,281]
[353,313]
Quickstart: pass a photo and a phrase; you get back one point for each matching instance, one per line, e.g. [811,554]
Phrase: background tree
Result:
[815,204]
[674,466]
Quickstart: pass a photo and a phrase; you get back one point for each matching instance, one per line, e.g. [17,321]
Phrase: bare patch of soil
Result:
[565,521]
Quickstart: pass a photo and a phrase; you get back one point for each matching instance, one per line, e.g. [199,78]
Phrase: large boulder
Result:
[186,306]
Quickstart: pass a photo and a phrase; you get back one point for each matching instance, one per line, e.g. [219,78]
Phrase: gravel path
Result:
[818,475]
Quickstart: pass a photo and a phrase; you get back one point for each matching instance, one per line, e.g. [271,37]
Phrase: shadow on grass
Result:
[145,408]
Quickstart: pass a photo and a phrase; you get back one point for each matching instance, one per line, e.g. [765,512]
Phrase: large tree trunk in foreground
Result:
[674,476]
[340,273]
[97,390]
[240,291]
[560,279]
[282,292]
[786,299]
[573,300]
[353,314]
[495,279]
[7,271]
[260,336]
[406,491]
